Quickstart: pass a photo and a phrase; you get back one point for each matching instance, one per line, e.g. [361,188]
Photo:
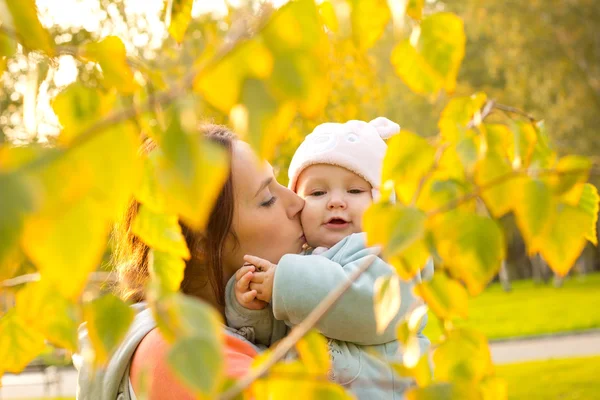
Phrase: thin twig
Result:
[287,343]
[95,277]
[487,109]
[515,110]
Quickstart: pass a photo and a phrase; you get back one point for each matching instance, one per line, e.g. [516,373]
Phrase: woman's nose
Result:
[294,203]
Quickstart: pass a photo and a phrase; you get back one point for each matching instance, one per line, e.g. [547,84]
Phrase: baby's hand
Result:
[243,293]
[262,279]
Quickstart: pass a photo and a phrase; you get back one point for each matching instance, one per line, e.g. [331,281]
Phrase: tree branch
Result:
[287,343]
[515,110]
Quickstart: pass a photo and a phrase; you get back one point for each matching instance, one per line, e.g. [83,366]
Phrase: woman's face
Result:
[266,217]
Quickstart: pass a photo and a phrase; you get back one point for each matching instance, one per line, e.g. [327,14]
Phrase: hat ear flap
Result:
[385,127]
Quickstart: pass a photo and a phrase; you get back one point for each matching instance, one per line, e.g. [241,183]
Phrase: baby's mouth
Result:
[337,223]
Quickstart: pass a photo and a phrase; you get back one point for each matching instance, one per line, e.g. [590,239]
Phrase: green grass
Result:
[531,309]
[564,379]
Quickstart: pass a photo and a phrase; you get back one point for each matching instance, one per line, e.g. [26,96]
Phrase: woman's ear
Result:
[385,127]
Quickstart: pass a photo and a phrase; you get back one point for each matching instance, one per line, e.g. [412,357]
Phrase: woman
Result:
[253,215]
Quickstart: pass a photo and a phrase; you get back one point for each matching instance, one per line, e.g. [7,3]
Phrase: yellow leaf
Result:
[414,9]
[107,321]
[314,353]
[41,308]
[408,159]
[369,19]
[534,210]
[166,269]
[148,192]
[498,139]
[432,63]
[588,203]
[78,108]
[411,260]
[327,12]
[446,297]
[421,372]
[397,228]
[499,198]
[160,231]
[68,243]
[457,114]
[525,138]
[387,300]
[23,19]
[565,237]
[570,171]
[494,388]
[111,55]
[8,46]
[190,173]
[471,247]
[179,15]
[463,357]
[19,343]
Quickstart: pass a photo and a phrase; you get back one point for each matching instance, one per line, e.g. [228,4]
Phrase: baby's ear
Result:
[385,127]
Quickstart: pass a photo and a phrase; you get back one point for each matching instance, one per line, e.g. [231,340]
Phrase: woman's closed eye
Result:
[269,202]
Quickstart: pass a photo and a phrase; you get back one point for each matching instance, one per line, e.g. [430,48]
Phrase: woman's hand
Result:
[243,293]
[262,280]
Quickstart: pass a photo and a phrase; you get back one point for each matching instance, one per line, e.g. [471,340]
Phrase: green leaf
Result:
[534,209]
[111,55]
[179,16]
[267,122]
[499,198]
[8,45]
[523,146]
[19,343]
[471,247]
[41,308]
[446,297]
[432,63]
[314,352]
[178,316]
[160,231]
[107,321]
[565,237]
[463,357]
[19,197]
[408,159]
[78,108]
[166,269]
[369,19]
[457,114]
[199,364]
[190,172]
[69,243]
[570,171]
[387,300]
[588,203]
[399,230]
[414,9]
[23,19]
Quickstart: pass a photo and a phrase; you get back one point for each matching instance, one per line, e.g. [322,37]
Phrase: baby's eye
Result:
[356,191]
[318,193]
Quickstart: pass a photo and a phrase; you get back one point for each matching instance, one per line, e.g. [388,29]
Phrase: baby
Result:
[337,171]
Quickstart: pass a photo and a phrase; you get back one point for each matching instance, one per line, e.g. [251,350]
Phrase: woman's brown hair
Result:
[130,254]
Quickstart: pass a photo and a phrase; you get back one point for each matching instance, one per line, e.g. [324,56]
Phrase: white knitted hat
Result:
[356,145]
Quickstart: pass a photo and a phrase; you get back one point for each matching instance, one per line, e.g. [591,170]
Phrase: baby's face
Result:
[335,201]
